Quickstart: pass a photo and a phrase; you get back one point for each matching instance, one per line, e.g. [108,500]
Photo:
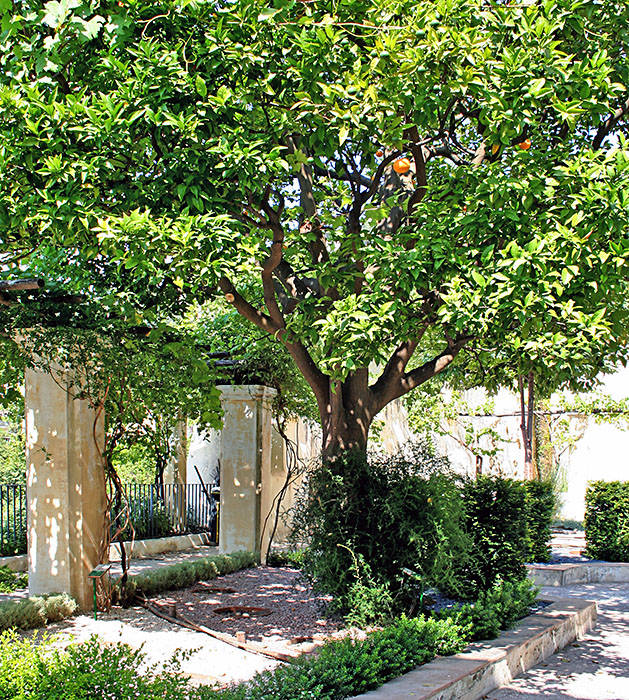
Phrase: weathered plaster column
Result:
[245,457]
[175,474]
[66,489]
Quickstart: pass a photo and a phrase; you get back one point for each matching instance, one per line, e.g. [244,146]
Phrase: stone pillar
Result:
[245,457]
[175,474]
[66,489]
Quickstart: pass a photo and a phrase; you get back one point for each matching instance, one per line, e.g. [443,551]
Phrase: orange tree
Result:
[255,148]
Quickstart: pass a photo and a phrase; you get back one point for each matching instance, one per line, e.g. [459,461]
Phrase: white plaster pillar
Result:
[66,489]
[175,474]
[245,457]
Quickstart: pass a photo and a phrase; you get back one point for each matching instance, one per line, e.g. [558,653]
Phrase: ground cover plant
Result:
[11,580]
[607,520]
[186,573]
[30,670]
[36,611]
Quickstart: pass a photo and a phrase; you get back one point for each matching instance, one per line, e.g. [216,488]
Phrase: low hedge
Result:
[30,670]
[496,521]
[12,580]
[36,611]
[184,574]
[607,520]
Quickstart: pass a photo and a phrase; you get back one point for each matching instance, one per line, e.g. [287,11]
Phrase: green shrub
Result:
[291,558]
[607,520]
[11,580]
[498,608]
[496,521]
[347,668]
[30,670]
[540,507]
[184,574]
[36,611]
[390,513]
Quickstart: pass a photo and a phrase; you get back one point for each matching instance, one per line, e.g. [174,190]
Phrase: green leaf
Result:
[200,86]
[268,13]
[478,278]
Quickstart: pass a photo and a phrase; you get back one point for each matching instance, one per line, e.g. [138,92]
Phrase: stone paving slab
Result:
[595,668]
[487,665]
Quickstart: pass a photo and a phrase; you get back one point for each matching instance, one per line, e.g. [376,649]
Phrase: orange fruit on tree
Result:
[379,153]
[525,145]
[229,297]
[402,165]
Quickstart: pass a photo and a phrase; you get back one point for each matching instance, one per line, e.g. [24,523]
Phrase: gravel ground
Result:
[296,618]
[295,625]
[210,661]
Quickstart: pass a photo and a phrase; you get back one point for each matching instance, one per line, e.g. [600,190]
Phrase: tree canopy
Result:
[380,183]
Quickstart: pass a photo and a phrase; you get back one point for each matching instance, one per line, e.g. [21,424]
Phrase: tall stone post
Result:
[175,474]
[65,488]
[245,457]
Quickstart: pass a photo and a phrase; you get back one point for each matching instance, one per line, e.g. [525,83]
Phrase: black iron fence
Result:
[153,511]
[12,519]
[169,509]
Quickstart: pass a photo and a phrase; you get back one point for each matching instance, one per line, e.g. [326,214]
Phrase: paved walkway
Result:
[139,566]
[595,668]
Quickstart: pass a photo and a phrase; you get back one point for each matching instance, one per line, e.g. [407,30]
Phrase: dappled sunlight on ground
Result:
[594,668]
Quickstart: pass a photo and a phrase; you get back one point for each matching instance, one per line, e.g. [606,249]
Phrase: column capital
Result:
[246,392]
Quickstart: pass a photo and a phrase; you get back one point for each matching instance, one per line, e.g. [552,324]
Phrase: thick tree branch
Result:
[395,367]
[270,264]
[606,127]
[310,222]
[246,310]
[313,375]
[419,375]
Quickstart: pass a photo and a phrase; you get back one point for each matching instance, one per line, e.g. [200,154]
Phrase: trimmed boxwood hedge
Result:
[496,521]
[607,520]
[36,611]
[186,573]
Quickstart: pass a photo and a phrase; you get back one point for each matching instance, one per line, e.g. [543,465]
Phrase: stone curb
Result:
[486,666]
[19,562]
[570,574]
[142,549]
[145,549]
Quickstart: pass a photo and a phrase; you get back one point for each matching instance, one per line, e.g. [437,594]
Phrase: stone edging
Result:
[570,574]
[142,549]
[145,549]
[19,562]
[485,666]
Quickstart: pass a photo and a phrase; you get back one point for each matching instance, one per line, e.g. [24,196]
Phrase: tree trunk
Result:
[526,425]
[346,416]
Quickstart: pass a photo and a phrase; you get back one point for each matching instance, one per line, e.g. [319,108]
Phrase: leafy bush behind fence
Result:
[155,511]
